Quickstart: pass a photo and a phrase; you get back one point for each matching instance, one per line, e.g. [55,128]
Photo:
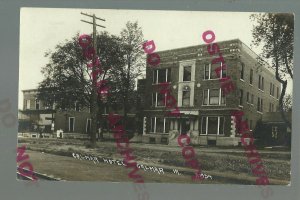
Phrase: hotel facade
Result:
[205,112]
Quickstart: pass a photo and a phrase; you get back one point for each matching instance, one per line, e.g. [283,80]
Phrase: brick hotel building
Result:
[204,109]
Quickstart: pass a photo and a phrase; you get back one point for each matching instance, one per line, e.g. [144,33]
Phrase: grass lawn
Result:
[228,165]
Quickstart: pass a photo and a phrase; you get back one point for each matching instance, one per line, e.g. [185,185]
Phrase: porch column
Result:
[176,124]
[196,124]
[191,124]
[171,124]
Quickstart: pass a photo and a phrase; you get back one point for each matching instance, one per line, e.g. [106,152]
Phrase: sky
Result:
[41,29]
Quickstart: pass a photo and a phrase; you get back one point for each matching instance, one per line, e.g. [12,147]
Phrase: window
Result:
[252,99]
[205,97]
[37,104]
[167,125]
[158,99]
[274,132]
[248,97]
[251,76]
[221,125]
[272,89]
[260,82]
[213,125]
[160,125]
[161,76]
[241,97]
[210,73]
[28,104]
[259,104]
[277,93]
[187,73]
[223,98]
[71,124]
[203,125]
[214,97]
[251,124]
[223,72]
[206,71]
[154,77]
[161,100]
[213,74]
[77,106]
[242,71]
[88,125]
[186,94]
[152,124]
[153,99]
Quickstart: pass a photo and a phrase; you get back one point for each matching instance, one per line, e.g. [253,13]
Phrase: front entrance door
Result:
[185,126]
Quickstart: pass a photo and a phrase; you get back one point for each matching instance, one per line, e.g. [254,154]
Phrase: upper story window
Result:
[210,71]
[259,104]
[186,96]
[241,97]
[251,76]
[206,71]
[27,104]
[76,106]
[161,76]
[277,93]
[187,73]
[248,97]
[158,99]
[242,71]
[260,82]
[214,97]
[37,104]
[272,89]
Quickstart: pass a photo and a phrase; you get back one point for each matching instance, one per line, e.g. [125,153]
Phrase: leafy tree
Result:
[67,79]
[275,33]
[125,76]
[287,103]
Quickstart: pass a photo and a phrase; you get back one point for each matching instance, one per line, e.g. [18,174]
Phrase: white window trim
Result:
[206,128]
[186,63]
[208,97]
[164,125]
[209,69]
[209,72]
[156,102]
[73,124]
[157,72]
[155,118]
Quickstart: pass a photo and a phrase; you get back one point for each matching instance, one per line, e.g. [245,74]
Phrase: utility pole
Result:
[94,105]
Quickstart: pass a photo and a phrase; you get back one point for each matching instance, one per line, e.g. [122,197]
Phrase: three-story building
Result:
[205,111]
